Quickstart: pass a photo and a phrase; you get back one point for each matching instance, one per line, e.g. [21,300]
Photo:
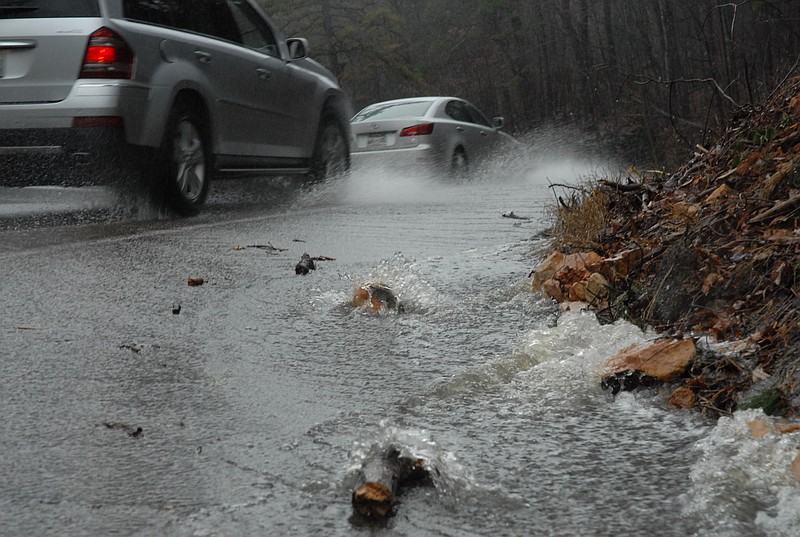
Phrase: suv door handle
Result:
[202,56]
[17,44]
[263,74]
[460,129]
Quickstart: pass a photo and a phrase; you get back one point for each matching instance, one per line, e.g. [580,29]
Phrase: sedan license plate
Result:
[376,140]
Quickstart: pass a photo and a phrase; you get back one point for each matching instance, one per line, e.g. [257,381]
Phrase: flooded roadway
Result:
[250,411]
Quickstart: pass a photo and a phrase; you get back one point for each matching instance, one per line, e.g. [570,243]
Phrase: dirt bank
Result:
[716,256]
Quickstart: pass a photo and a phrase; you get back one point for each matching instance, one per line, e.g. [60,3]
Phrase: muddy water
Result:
[259,402]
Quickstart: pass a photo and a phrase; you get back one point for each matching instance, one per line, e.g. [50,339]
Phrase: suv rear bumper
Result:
[39,143]
[74,156]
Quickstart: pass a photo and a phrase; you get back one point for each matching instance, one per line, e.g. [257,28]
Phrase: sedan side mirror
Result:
[298,48]
[498,123]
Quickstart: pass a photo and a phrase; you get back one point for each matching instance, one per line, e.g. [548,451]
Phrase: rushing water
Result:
[260,402]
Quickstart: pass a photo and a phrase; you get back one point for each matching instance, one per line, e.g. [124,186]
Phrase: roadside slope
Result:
[717,247]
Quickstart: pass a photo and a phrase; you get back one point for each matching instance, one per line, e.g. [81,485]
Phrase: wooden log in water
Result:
[376,296]
[381,480]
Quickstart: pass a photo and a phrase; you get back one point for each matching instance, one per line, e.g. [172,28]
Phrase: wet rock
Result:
[663,361]
[565,277]
[597,289]
[547,269]
[552,289]
[577,291]
[620,265]
[573,306]
[575,268]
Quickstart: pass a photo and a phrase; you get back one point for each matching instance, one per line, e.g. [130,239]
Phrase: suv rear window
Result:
[40,9]
[209,17]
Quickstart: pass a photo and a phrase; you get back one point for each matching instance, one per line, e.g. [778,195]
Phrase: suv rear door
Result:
[234,66]
[42,47]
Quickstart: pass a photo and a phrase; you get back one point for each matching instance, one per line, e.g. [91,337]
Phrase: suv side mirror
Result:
[298,48]
[498,122]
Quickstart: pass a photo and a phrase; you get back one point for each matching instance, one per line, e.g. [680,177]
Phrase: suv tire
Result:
[185,163]
[331,156]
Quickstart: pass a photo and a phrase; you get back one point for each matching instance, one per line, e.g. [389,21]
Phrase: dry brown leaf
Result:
[710,281]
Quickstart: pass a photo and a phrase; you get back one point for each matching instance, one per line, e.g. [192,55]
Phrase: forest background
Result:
[652,79]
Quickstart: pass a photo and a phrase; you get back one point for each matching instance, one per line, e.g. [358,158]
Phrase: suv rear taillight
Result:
[107,56]
[418,130]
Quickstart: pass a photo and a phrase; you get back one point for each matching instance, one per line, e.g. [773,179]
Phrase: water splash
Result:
[448,474]
[742,483]
[403,276]
[555,360]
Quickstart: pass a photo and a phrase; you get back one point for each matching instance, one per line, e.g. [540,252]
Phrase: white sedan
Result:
[445,133]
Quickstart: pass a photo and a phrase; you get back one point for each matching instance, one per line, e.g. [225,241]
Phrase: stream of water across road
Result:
[251,411]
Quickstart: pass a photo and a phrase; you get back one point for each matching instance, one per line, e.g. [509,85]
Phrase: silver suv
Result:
[174,90]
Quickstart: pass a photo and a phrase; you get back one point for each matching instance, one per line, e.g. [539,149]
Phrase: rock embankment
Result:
[708,254]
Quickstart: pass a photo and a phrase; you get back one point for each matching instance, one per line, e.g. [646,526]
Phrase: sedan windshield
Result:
[38,9]
[393,110]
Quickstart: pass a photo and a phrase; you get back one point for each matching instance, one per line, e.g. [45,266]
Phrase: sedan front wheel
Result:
[459,164]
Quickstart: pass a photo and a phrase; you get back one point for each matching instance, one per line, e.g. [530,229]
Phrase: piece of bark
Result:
[381,479]
[305,265]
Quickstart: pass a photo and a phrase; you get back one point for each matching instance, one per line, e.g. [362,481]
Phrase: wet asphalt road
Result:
[136,404]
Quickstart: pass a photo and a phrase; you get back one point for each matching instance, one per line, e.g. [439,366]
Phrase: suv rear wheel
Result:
[331,156]
[186,164]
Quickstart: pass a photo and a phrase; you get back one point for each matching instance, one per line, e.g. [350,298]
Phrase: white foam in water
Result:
[743,485]
[577,348]
[568,358]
